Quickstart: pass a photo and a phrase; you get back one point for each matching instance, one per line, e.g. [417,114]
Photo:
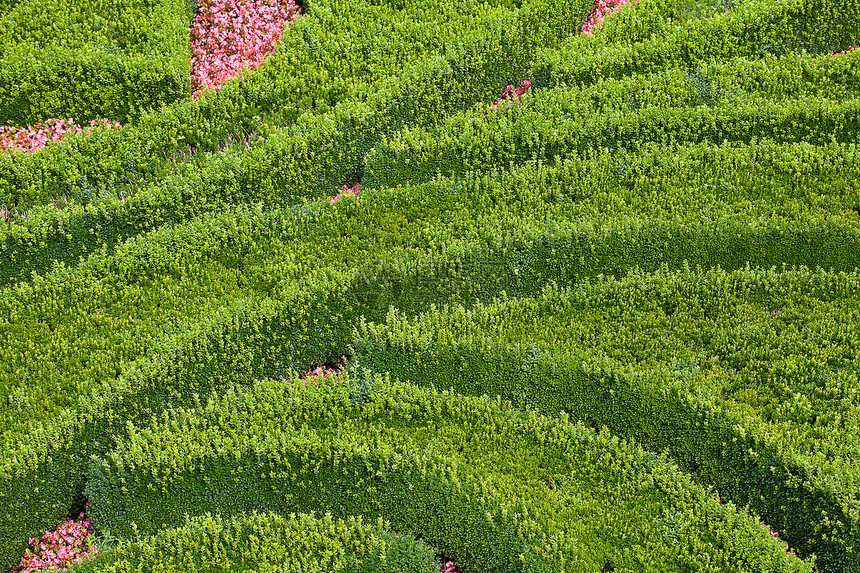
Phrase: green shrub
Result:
[268,542]
[638,44]
[262,293]
[745,378]
[88,60]
[496,489]
[629,113]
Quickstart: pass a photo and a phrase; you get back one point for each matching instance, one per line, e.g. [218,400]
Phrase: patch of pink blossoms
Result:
[510,93]
[775,535]
[601,7]
[229,36]
[60,549]
[319,372]
[34,137]
[850,49]
[449,568]
[354,190]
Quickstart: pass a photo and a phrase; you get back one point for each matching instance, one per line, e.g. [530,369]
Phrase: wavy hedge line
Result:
[565,121]
[746,378]
[639,39]
[273,172]
[74,327]
[269,542]
[277,311]
[314,69]
[497,489]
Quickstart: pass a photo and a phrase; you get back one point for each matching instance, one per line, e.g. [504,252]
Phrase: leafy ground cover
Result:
[502,199]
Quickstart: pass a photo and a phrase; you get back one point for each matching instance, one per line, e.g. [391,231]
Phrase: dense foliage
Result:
[573,285]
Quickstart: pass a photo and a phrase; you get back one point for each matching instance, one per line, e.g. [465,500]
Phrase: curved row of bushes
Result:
[498,489]
[218,280]
[565,121]
[59,324]
[237,297]
[276,171]
[746,378]
[267,542]
[641,39]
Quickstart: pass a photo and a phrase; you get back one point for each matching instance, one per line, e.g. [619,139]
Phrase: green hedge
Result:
[59,324]
[88,60]
[634,41]
[278,170]
[496,489]
[745,378]
[564,121]
[268,542]
[449,58]
[243,294]
[656,179]
[312,158]
[252,293]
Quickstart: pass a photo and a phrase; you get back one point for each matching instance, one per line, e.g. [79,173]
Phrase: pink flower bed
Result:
[34,137]
[819,60]
[60,549]
[850,49]
[320,372]
[229,36]
[354,190]
[508,96]
[601,7]
[510,93]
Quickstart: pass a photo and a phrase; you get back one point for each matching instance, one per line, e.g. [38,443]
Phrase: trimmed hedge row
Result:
[299,282]
[88,60]
[309,159]
[655,179]
[563,121]
[494,488]
[793,181]
[314,69]
[59,324]
[746,378]
[634,41]
[277,171]
[269,542]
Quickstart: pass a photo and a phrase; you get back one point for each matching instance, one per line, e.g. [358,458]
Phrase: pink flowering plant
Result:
[846,52]
[507,99]
[60,549]
[34,137]
[346,191]
[830,58]
[320,372]
[230,36]
[775,535]
[601,8]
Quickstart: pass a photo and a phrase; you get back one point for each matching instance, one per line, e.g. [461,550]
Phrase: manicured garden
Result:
[518,285]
